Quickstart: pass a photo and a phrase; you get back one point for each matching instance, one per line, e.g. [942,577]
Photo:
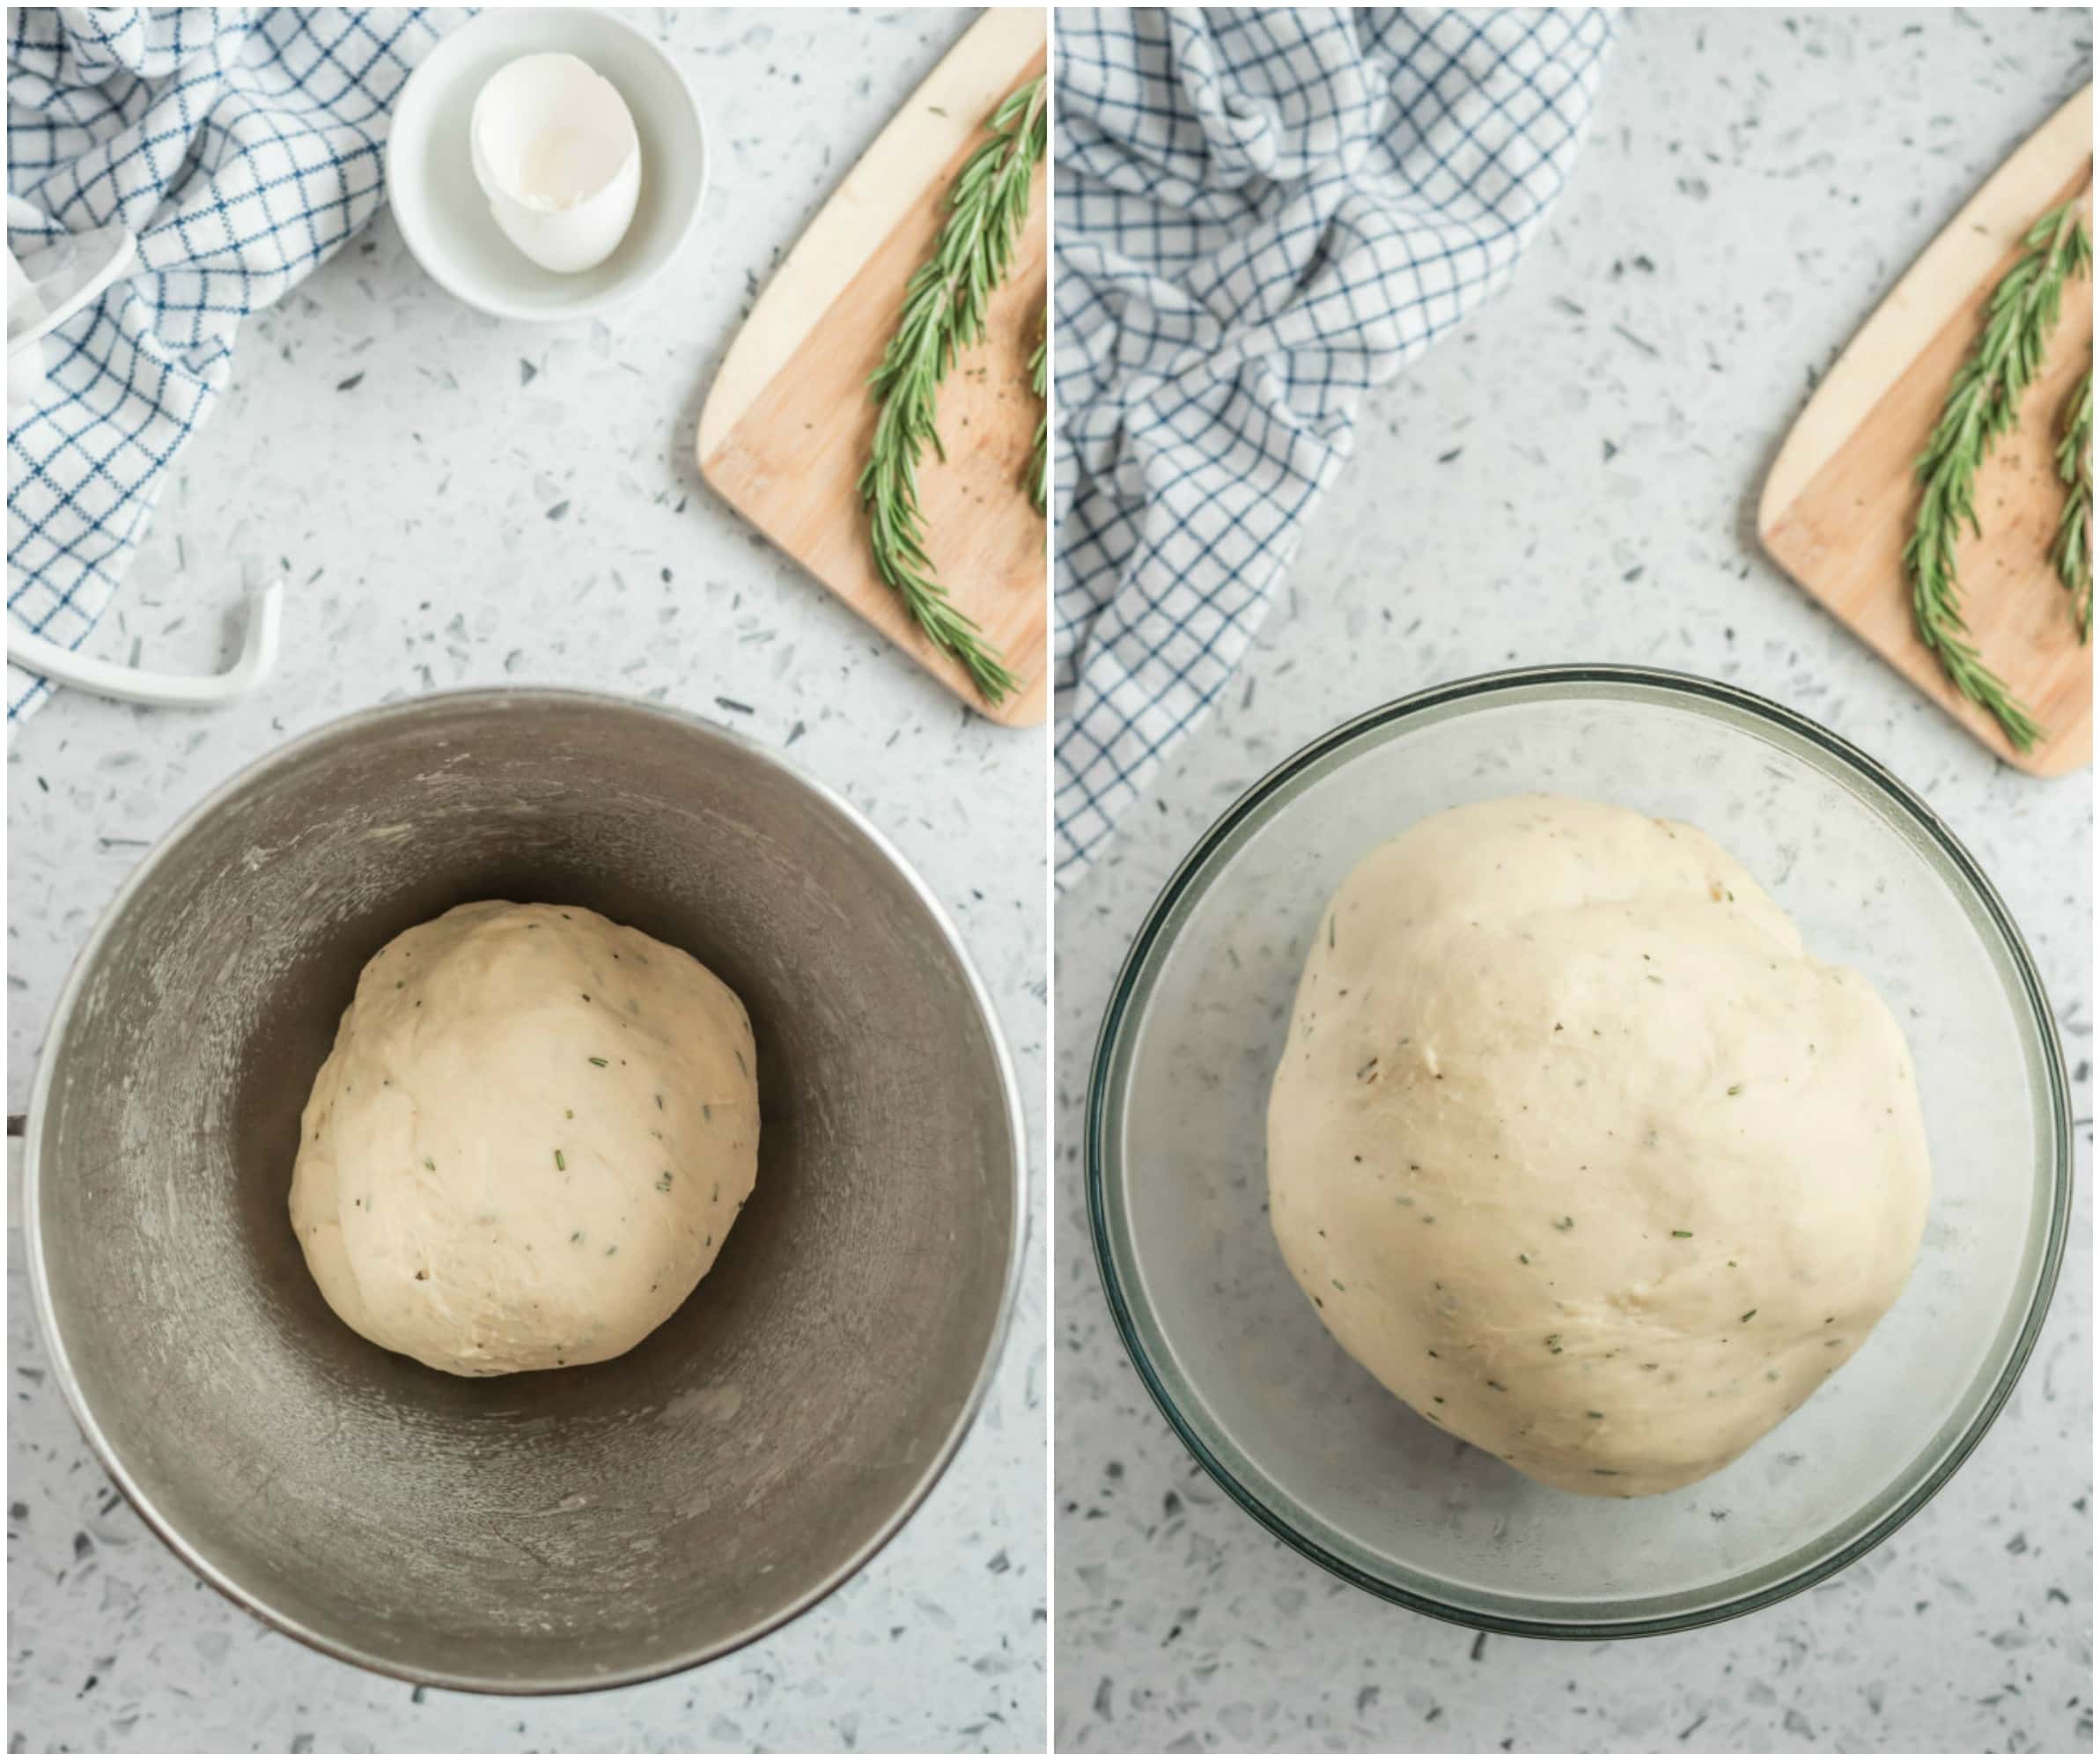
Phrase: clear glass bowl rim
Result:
[1697,694]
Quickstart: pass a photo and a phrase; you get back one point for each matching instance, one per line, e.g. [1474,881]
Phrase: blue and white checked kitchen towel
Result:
[1260,213]
[242,146]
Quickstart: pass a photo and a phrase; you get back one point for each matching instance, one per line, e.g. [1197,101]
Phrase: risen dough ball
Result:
[533,1134]
[1579,1152]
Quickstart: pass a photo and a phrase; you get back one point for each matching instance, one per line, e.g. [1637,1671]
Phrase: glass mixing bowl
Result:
[1298,1433]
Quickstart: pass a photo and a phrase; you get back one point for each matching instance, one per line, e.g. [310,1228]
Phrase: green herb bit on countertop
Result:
[2074,552]
[1681,1235]
[1982,405]
[945,305]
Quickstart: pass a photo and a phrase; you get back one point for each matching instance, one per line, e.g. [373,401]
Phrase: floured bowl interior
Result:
[547,1531]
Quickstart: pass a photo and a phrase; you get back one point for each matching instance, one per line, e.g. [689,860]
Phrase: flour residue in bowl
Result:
[716,1404]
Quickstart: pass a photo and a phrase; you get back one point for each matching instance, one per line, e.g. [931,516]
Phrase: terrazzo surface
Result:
[1573,476]
[455,501]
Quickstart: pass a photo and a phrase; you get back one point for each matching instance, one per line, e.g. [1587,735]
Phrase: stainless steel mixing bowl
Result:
[562,1530]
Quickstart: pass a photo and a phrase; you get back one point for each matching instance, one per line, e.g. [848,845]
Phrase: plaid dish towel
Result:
[242,146]
[1261,213]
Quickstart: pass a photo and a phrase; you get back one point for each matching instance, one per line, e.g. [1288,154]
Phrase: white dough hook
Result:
[180,690]
[54,282]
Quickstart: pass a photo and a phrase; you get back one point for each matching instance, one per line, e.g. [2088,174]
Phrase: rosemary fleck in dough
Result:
[1579,1152]
[529,1142]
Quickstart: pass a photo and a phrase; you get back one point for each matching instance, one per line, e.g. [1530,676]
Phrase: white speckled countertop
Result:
[1575,475]
[455,501]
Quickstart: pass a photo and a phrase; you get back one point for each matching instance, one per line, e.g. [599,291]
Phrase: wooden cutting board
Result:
[1838,505]
[787,422]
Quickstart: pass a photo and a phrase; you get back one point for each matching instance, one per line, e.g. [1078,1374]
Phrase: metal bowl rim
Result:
[508,699]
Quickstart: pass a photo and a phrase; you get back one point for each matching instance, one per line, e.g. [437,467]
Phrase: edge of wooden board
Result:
[868,203]
[1932,290]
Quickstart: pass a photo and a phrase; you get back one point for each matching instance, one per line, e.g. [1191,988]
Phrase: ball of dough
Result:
[529,1142]
[1579,1152]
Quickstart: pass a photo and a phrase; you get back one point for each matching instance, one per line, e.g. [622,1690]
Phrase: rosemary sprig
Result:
[2074,550]
[1983,404]
[943,314]
[1039,465]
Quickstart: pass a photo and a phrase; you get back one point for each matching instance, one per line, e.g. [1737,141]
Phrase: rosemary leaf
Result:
[944,314]
[2074,550]
[1982,405]
[1039,464]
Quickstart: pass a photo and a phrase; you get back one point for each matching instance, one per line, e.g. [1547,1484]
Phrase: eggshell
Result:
[556,151]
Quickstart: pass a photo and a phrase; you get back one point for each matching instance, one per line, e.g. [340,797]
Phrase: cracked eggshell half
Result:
[557,153]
